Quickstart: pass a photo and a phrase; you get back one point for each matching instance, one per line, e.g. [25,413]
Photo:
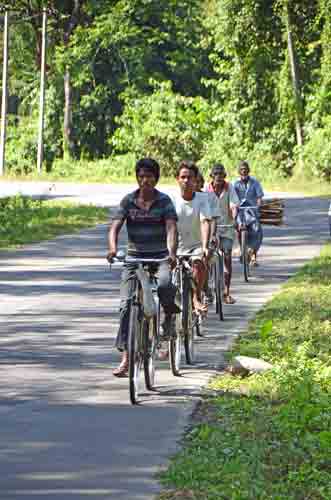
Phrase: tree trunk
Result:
[68,143]
[296,90]
[298,103]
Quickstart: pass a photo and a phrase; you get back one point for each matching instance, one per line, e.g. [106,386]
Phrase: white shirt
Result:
[190,214]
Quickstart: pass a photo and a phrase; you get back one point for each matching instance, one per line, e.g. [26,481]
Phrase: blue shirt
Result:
[248,192]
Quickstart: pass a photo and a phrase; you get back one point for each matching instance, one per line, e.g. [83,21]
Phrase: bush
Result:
[22,137]
[163,125]
[115,168]
[317,153]
[269,158]
[15,214]
[21,147]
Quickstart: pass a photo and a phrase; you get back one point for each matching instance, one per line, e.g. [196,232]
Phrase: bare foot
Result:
[122,369]
[163,354]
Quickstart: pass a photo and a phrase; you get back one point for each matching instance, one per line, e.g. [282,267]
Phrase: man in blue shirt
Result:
[250,194]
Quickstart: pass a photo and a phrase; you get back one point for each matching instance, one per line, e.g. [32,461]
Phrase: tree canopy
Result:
[222,79]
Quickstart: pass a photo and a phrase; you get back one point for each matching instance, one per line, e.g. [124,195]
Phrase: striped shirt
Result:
[147,235]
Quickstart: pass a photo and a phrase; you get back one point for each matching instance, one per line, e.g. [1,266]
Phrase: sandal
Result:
[228,299]
[122,369]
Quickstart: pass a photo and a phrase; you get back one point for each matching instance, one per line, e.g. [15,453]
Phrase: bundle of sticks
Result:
[272,211]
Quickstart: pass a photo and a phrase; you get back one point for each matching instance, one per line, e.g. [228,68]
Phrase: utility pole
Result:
[4,94]
[40,156]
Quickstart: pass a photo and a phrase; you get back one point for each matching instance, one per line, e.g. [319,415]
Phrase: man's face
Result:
[219,178]
[146,179]
[186,180]
[244,173]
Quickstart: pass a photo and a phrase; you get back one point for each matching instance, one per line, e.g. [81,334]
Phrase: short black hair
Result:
[150,165]
[243,163]
[218,168]
[187,164]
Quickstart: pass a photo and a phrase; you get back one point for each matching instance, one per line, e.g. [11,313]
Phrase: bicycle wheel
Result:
[135,350]
[175,347]
[219,277]
[150,348]
[188,322]
[244,254]
[151,344]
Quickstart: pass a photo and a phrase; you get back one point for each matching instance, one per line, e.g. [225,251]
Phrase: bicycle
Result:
[187,321]
[245,258]
[144,325]
[217,274]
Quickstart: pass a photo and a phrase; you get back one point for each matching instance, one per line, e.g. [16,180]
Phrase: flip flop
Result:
[228,299]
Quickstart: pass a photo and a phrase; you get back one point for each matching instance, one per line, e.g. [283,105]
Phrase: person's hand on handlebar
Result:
[110,255]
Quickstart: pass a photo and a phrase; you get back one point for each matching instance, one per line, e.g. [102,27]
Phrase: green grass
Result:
[268,436]
[23,220]
[312,187]
[121,170]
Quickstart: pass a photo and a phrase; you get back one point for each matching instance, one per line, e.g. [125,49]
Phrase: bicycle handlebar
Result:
[134,260]
[246,208]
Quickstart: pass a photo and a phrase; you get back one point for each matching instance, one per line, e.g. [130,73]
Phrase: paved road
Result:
[67,429]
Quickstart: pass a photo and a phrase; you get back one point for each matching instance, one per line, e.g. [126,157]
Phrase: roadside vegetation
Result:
[23,220]
[182,81]
[268,435]
[120,170]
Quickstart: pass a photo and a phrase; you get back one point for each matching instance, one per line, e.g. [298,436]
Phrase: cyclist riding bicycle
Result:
[194,223]
[199,188]
[250,194]
[150,219]
[226,209]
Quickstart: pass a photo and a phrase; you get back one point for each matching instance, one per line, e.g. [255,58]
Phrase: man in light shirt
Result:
[193,225]
[226,208]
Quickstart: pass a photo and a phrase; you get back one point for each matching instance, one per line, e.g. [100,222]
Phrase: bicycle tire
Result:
[149,353]
[213,272]
[219,277]
[135,353]
[244,255]
[188,322]
[151,344]
[175,354]
[175,343]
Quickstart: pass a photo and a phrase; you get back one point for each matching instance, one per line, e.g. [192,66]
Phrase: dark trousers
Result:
[166,291]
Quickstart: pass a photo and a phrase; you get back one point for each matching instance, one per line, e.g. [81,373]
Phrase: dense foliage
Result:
[209,79]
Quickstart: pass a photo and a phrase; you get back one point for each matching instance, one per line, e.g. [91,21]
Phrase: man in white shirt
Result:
[193,225]
[227,203]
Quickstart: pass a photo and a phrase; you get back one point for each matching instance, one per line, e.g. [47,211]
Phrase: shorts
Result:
[226,245]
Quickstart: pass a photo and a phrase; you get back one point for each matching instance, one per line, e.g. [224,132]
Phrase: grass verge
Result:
[120,170]
[268,436]
[23,220]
